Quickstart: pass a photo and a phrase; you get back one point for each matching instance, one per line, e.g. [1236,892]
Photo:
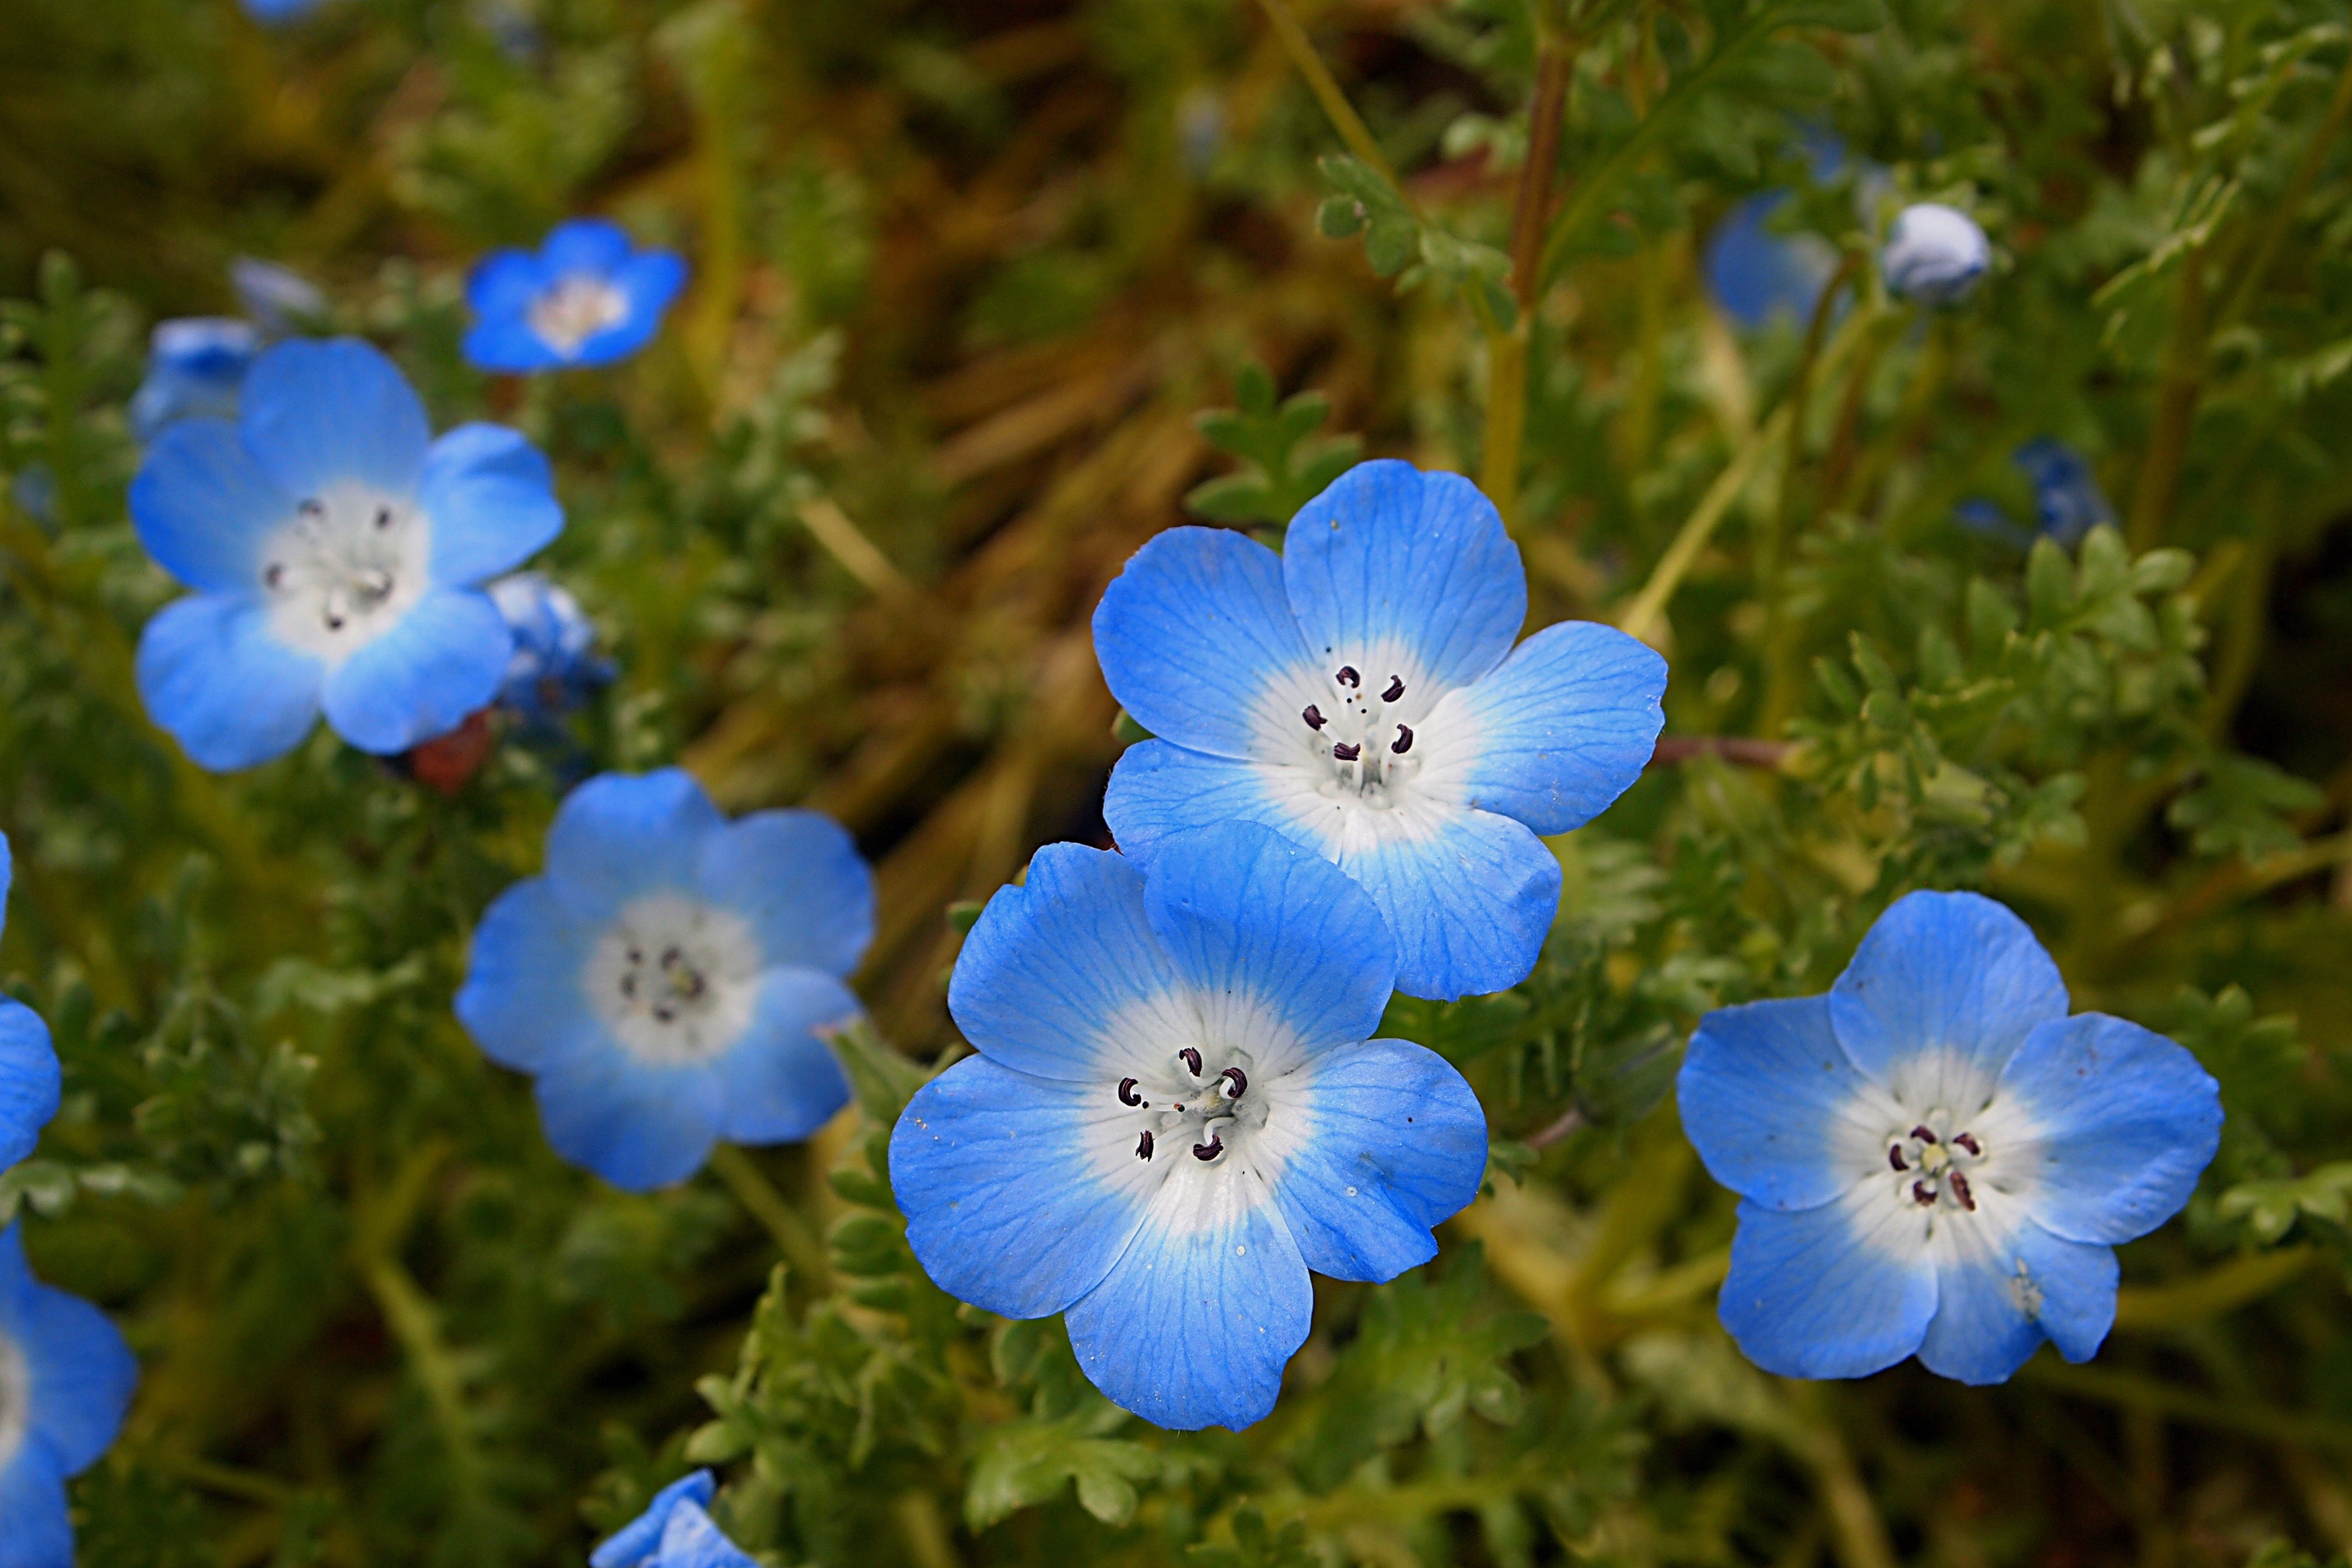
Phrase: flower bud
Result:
[1935,254]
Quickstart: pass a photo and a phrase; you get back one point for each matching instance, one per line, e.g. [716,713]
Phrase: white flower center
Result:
[16,1400]
[344,571]
[580,306]
[676,980]
[1196,1103]
[1938,1165]
[1359,741]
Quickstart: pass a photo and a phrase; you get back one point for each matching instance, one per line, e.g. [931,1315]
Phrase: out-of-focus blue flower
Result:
[196,367]
[586,297]
[1359,693]
[65,1379]
[1176,1112]
[278,10]
[33,489]
[1755,274]
[645,1542]
[1935,254]
[554,665]
[1935,1158]
[2067,499]
[29,1080]
[334,546]
[278,300]
[666,977]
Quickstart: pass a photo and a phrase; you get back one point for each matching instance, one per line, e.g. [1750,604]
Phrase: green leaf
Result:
[1021,1464]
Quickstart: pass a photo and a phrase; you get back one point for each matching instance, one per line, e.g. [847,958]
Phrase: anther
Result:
[1210,1150]
[1346,752]
[1894,1157]
[1961,1191]
[1395,690]
[1967,1141]
[1348,678]
[664,1012]
[383,517]
[1191,1058]
[628,985]
[1126,1095]
[334,622]
[1922,1193]
[1404,743]
[1239,1078]
[273,576]
[1143,1145]
[312,507]
[671,957]
[1922,1135]
[637,955]
[1314,717]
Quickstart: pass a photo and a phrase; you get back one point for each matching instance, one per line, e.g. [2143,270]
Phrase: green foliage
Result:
[1284,462]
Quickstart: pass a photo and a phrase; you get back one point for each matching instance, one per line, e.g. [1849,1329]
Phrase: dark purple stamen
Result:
[383,517]
[664,1012]
[1143,1145]
[311,507]
[1395,690]
[1346,752]
[1922,1135]
[1920,1195]
[1240,1081]
[1894,1158]
[1191,1059]
[1126,1095]
[1961,1191]
[275,575]
[1314,717]
[1404,743]
[1209,1151]
[628,985]
[1348,678]
[1967,1141]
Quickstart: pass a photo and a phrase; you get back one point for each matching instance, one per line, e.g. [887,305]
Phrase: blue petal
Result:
[82,1373]
[204,508]
[1395,568]
[321,413]
[1389,1142]
[507,344]
[641,1537]
[523,1000]
[490,497]
[1193,635]
[1837,1291]
[1052,969]
[782,1082]
[1019,1191]
[1562,729]
[620,835]
[1257,924]
[1194,1324]
[2123,1122]
[691,1541]
[590,245]
[29,1080]
[213,676]
[797,879]
[1997,1302]
[503,284]
[1942,991]
[33,1504]
[422,677]
[649,282]
[1756,274]
[1769,1098]
[638,1127]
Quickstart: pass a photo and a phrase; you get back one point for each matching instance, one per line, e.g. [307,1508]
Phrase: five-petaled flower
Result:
[665,976]
[1176,1112]
[1935,254]
[1935,1158]
[586,297]
[66,1378]
[333,545]
[30,1082]
[675,1532]
[1359,693]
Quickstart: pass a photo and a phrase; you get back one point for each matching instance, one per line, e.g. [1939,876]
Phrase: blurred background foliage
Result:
[985,292]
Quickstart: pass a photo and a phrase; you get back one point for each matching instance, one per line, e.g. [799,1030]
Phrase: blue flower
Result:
[279,300]
[1935,1158]
[1756,274]
[2067,499]
[554,665]
[279,10]
[29,1079]
[675,1532]
[1935,254]
[334,546]
[1359,693]
[196,367]
[1177,1110]
[585,298]
[665,978]
[66,1378]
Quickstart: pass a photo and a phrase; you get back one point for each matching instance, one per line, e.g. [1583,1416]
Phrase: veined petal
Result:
[33,1502]
[1776,1110]
[29,1080]
[1019,1191]
[1196,1319]
[1062,977]
[620,835]
[797,878]
[638,1127]
[319,413]
[641,1537]
[1562,729]
[1373,1145]
[1942,991]
[1395,566]
[1197,641]
[523,1000]
[2116,1124]
[782,1082]
[422,677]
[215,677]
[489,497]
[203,507]
[1839,1289]
[1278,947]
[2000,1293]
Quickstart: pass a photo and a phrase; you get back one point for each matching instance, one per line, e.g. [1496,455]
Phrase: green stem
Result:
[2133,1392]
[2213,1293]
[1342,115]
[1506,350]
[759,1196]
[1770,565]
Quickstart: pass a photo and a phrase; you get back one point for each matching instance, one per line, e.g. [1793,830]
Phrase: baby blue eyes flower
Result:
[1177,1110]
[1755,274]
[334,546]
[675,1532]
[664,979]
[1935,1159]
[196,367]
[1935,254]
[586,297]
[554,665]
[65,1379]
[2068,500]
[30,1082]
[1360,693]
